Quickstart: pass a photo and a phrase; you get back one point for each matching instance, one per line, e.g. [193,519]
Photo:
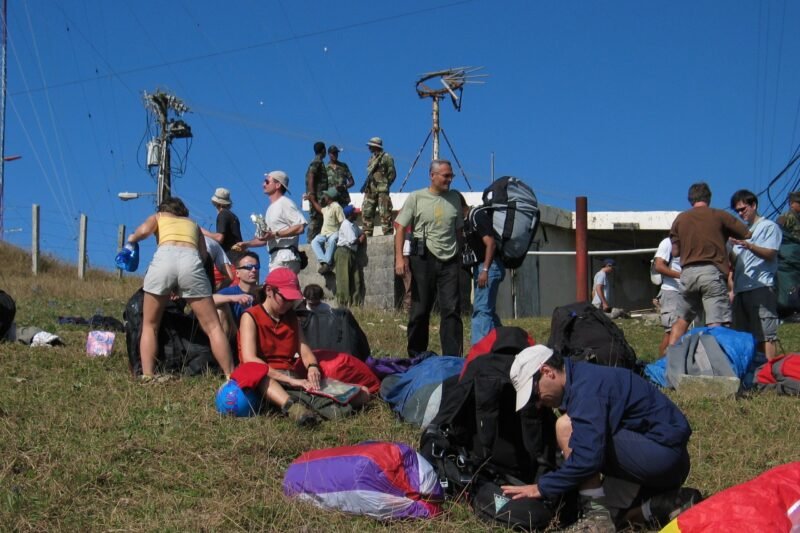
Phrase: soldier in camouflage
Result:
[380,176]
[316,184]
[339,176]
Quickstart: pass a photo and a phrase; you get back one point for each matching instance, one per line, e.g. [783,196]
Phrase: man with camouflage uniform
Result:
[339,176]
[380,176]
[316,184]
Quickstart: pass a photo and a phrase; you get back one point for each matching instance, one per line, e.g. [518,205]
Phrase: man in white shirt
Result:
[603,293]
[669,266]
[284,223]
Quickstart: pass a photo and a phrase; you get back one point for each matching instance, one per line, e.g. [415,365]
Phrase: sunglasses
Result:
[248,267]
[741,209]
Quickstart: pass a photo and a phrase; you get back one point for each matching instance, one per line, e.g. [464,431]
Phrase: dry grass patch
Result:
[83,447]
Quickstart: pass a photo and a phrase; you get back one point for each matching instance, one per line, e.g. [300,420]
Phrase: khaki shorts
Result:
[177,269]
[705,289]
[669,301]
[756,312]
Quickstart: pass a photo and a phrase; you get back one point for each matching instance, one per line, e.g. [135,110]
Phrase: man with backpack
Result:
[614,423]
[435,261]
[487,273]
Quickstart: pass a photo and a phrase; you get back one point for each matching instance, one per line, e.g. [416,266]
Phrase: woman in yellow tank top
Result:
[177,268]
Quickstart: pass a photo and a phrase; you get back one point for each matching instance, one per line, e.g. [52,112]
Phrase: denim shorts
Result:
[177,269]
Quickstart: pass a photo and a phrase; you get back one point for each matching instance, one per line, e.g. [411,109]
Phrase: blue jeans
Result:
[484,304]
[324,247]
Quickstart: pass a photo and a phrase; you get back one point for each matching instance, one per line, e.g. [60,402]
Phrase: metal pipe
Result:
[435,127]
[581,249]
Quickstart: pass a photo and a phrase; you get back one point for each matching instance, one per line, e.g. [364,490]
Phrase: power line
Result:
[229,51]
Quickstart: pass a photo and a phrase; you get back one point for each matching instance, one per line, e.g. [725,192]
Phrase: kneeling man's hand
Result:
[521,491]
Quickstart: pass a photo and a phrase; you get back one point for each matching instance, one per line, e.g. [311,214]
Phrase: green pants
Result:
[380,202]
[349,282]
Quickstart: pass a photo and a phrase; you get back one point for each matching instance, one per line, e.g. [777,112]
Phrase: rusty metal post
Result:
[581,249]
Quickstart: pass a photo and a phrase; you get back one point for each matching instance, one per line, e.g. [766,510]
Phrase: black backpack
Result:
[584,333]
[478,441]
[336,330]
[8,310]
[183,347]
[514,211]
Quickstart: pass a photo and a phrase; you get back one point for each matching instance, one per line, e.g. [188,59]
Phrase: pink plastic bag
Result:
[100,343]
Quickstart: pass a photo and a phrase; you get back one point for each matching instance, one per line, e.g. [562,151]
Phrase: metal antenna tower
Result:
[452,83]
[159,148]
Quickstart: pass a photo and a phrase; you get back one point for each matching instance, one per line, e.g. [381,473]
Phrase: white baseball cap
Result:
[527,364]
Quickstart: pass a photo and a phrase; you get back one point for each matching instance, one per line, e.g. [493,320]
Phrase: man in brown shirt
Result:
[699,236]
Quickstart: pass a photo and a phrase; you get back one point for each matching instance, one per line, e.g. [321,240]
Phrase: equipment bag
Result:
[8,310]
[585,333]
[183,348]
[479,430]
[384,480]
[514,210]
[525,514]
[416,395]
[781,374]
[698,354]
[336,330]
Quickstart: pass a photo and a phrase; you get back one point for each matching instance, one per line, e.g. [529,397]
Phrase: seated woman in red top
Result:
[270,334]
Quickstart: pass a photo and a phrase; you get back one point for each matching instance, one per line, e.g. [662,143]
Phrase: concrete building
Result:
[546,281]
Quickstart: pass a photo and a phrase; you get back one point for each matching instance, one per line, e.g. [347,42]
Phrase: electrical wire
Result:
[119,73]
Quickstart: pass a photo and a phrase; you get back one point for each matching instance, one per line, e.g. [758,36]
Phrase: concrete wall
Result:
[542,283]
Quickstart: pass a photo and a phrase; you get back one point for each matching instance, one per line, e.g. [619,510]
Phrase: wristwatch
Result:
[484,269]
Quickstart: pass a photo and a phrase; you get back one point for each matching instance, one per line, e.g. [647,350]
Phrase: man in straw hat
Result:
[614,423]
[228,230]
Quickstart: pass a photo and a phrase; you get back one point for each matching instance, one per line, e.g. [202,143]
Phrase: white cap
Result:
[527,364]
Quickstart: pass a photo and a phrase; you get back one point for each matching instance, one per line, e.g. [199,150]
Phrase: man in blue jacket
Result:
[614,423]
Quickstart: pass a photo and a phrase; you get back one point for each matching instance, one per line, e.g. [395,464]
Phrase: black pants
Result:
[432,277]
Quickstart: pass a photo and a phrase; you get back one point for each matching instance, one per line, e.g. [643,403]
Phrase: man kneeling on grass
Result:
[616,424]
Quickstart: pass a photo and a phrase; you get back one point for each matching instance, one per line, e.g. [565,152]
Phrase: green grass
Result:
[84,447]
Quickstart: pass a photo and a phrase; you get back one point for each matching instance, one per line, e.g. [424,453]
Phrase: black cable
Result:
[456,158]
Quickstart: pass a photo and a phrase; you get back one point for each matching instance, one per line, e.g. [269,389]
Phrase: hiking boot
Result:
[666,506]
[301,414]
[596,519]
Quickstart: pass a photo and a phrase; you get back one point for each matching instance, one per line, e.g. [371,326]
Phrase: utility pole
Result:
[159,149]
[3,76]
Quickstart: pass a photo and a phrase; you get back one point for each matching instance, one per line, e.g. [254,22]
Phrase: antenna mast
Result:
[452,83]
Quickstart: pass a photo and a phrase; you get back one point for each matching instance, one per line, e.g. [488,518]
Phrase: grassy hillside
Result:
[84,447]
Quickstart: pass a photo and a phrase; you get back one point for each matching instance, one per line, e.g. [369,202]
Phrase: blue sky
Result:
[626,102]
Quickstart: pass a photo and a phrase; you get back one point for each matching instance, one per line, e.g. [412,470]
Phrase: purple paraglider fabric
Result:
[384,480]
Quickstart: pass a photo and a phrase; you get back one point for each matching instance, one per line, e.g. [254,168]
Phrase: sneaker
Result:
[301,414]
[596,519]
[155,379]
[666,506]
[323,268]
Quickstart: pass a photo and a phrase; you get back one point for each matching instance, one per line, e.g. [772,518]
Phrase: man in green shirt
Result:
[435,261]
